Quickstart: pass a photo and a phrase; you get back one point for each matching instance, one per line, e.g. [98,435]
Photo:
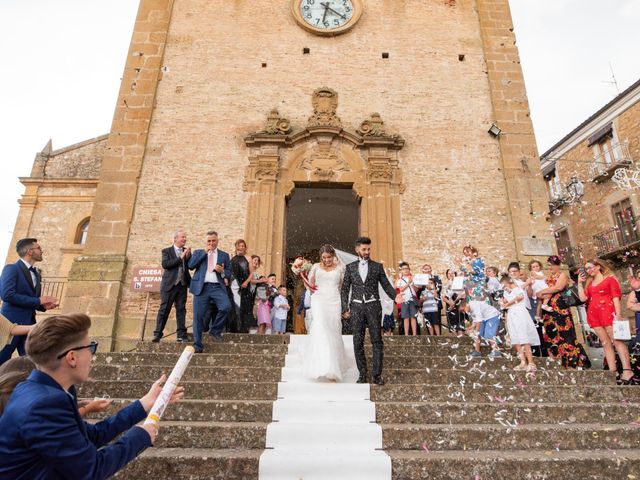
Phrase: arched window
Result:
[82,232]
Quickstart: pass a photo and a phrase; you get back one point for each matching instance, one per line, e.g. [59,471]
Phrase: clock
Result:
[327,17]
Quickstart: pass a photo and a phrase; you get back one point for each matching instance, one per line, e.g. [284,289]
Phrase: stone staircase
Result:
[443,415]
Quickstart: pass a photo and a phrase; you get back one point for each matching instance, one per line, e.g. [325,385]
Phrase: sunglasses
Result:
[93,347]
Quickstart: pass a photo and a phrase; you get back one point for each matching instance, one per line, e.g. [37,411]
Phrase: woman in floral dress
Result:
[559,332]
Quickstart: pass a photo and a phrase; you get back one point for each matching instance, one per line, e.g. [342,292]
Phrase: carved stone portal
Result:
[281,157]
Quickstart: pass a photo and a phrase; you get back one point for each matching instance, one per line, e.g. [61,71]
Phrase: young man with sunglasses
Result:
[42,435]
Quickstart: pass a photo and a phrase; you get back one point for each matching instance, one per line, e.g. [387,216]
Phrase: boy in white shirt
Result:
[281,308]
[486,321]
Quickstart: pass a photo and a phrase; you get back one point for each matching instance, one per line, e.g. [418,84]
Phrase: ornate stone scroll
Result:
[276,125]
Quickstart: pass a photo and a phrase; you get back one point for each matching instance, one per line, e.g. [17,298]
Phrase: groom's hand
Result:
[346,314]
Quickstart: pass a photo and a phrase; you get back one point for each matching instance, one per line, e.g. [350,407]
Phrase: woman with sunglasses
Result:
[559,333]
[602,292]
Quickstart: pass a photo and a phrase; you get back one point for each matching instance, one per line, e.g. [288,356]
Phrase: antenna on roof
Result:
[613,80]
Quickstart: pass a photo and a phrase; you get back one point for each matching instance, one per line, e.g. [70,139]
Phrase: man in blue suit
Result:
[209,286]
[21,289]
[42,436]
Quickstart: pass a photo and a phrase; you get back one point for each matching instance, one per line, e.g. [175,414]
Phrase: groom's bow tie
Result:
[363,262]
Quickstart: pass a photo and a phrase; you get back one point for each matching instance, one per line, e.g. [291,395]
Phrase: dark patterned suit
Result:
[366,310]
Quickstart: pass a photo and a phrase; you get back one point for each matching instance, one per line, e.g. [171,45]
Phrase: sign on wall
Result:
[146,279]
[537,247]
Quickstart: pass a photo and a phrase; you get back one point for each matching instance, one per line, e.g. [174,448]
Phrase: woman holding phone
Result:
[599,287]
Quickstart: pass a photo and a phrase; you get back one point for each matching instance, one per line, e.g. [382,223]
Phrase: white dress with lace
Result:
[324,354]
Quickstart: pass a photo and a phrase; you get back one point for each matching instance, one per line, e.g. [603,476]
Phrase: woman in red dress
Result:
[602,292]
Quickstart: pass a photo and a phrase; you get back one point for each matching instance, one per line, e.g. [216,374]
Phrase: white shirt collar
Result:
[26,263]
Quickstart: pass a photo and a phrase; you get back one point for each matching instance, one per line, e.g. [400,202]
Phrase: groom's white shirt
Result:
[363,269]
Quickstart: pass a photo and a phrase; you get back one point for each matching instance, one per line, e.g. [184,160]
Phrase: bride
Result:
[324,354]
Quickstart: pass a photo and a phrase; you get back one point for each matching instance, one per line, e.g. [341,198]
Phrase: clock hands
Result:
[327,8]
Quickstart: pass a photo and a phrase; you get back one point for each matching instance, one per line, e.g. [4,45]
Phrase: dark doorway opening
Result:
[315,216]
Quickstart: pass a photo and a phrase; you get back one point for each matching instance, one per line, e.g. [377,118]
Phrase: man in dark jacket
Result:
[21,292]
[174,285]
[43,437]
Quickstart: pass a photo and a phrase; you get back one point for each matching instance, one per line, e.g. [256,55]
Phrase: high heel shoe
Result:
[628,381]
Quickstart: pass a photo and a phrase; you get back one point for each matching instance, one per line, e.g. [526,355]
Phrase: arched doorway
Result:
[318,214]
[322,154]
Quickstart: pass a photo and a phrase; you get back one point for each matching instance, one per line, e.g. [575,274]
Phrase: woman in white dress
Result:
[522,331]
[324,354]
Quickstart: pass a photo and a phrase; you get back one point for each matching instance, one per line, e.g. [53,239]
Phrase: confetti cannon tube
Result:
[169,387]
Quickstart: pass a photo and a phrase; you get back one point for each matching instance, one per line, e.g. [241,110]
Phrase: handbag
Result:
[570,297]
[621,330]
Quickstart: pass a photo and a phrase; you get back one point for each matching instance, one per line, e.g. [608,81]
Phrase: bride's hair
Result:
[326,248]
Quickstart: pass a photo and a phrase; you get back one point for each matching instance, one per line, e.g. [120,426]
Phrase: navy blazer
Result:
[198,261]
[20,297]
[42,435]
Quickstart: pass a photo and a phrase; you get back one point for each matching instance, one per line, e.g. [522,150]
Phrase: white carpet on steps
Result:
[323,430]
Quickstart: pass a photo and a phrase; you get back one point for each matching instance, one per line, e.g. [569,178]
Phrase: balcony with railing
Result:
[610,159]
[54,287]
[618,239]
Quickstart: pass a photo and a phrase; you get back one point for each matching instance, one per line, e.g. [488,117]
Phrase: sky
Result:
[62,62]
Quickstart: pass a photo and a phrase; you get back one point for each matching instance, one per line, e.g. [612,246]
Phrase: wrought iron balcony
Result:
[617,239]
[604,166]
[54,287]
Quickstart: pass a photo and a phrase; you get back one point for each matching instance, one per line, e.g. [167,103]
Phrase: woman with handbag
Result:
[602,293]
[559,333]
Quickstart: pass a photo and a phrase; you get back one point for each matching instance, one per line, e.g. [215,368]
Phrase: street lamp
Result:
[575,189]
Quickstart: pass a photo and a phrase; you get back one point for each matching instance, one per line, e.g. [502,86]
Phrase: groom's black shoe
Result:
[362,379]
[378,381]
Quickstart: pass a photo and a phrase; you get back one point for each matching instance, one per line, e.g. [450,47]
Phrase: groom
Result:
[362,278]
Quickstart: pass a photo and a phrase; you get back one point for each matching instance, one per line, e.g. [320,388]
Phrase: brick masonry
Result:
[194,86]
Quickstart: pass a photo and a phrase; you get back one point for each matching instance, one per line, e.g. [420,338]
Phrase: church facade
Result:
[228,110]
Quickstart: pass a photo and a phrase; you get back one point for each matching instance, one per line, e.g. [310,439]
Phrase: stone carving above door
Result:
[326,162]
[325,105]
[276,125]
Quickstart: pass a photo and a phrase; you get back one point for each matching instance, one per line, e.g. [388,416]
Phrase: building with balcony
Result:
[593,180]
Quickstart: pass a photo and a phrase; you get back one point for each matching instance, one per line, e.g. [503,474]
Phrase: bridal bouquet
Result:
[301,266]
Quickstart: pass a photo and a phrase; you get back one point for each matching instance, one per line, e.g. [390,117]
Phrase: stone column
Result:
[265,221]
[527,195]
[96,278]
[380,210]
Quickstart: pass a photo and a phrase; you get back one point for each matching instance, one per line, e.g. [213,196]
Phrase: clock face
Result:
[326,14]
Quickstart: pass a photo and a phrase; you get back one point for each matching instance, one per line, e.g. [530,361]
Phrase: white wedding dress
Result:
[323,357]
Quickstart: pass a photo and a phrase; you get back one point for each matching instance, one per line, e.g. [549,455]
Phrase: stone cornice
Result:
[59,182]
[394,142]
